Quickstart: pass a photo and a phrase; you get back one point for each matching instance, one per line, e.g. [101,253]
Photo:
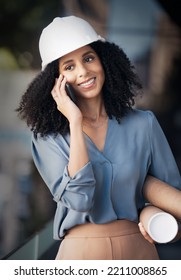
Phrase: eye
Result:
[69,67]
[89,58]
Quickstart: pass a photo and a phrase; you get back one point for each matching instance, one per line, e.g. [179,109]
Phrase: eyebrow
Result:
[71,60]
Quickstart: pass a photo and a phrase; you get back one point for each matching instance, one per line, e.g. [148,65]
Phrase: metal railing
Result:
[35,247]
[42,244]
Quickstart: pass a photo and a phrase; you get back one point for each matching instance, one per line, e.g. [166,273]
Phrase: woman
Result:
[95,152]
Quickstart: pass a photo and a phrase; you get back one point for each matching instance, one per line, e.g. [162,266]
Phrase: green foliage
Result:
[21,22]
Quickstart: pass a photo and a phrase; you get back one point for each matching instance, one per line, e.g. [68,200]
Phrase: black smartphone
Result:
[70,92]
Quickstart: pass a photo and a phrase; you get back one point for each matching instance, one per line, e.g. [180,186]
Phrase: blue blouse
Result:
[109,186]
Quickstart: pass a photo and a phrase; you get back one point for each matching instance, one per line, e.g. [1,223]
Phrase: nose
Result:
[82,70]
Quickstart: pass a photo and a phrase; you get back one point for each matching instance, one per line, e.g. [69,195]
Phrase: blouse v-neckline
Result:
[105,141]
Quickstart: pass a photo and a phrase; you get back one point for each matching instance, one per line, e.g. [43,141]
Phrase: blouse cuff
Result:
[81,184]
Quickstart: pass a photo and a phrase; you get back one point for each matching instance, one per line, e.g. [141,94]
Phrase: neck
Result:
[93,110]
[94,114]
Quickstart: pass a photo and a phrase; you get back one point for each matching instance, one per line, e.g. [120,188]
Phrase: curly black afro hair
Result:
[121,85]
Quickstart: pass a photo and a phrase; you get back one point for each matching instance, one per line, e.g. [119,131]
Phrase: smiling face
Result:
[83,71]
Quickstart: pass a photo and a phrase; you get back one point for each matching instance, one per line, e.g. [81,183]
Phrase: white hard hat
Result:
[64,35]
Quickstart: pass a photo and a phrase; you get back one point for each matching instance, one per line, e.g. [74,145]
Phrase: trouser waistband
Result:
[115,228]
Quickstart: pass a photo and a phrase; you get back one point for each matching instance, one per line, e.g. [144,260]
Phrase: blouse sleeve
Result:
[51,161]
[162,163]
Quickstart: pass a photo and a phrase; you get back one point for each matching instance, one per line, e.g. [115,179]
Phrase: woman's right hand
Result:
[64,103]
[72,112]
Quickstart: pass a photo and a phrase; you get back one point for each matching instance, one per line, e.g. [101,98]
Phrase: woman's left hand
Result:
[145,234]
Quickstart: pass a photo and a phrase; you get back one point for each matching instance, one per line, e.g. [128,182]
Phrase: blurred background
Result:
[149,31]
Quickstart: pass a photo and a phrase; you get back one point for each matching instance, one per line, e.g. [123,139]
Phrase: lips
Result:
[87,83]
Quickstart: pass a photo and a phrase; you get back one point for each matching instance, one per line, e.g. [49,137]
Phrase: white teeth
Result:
[87,83]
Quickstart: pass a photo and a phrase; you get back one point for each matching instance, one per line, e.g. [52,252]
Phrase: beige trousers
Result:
[118,240]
